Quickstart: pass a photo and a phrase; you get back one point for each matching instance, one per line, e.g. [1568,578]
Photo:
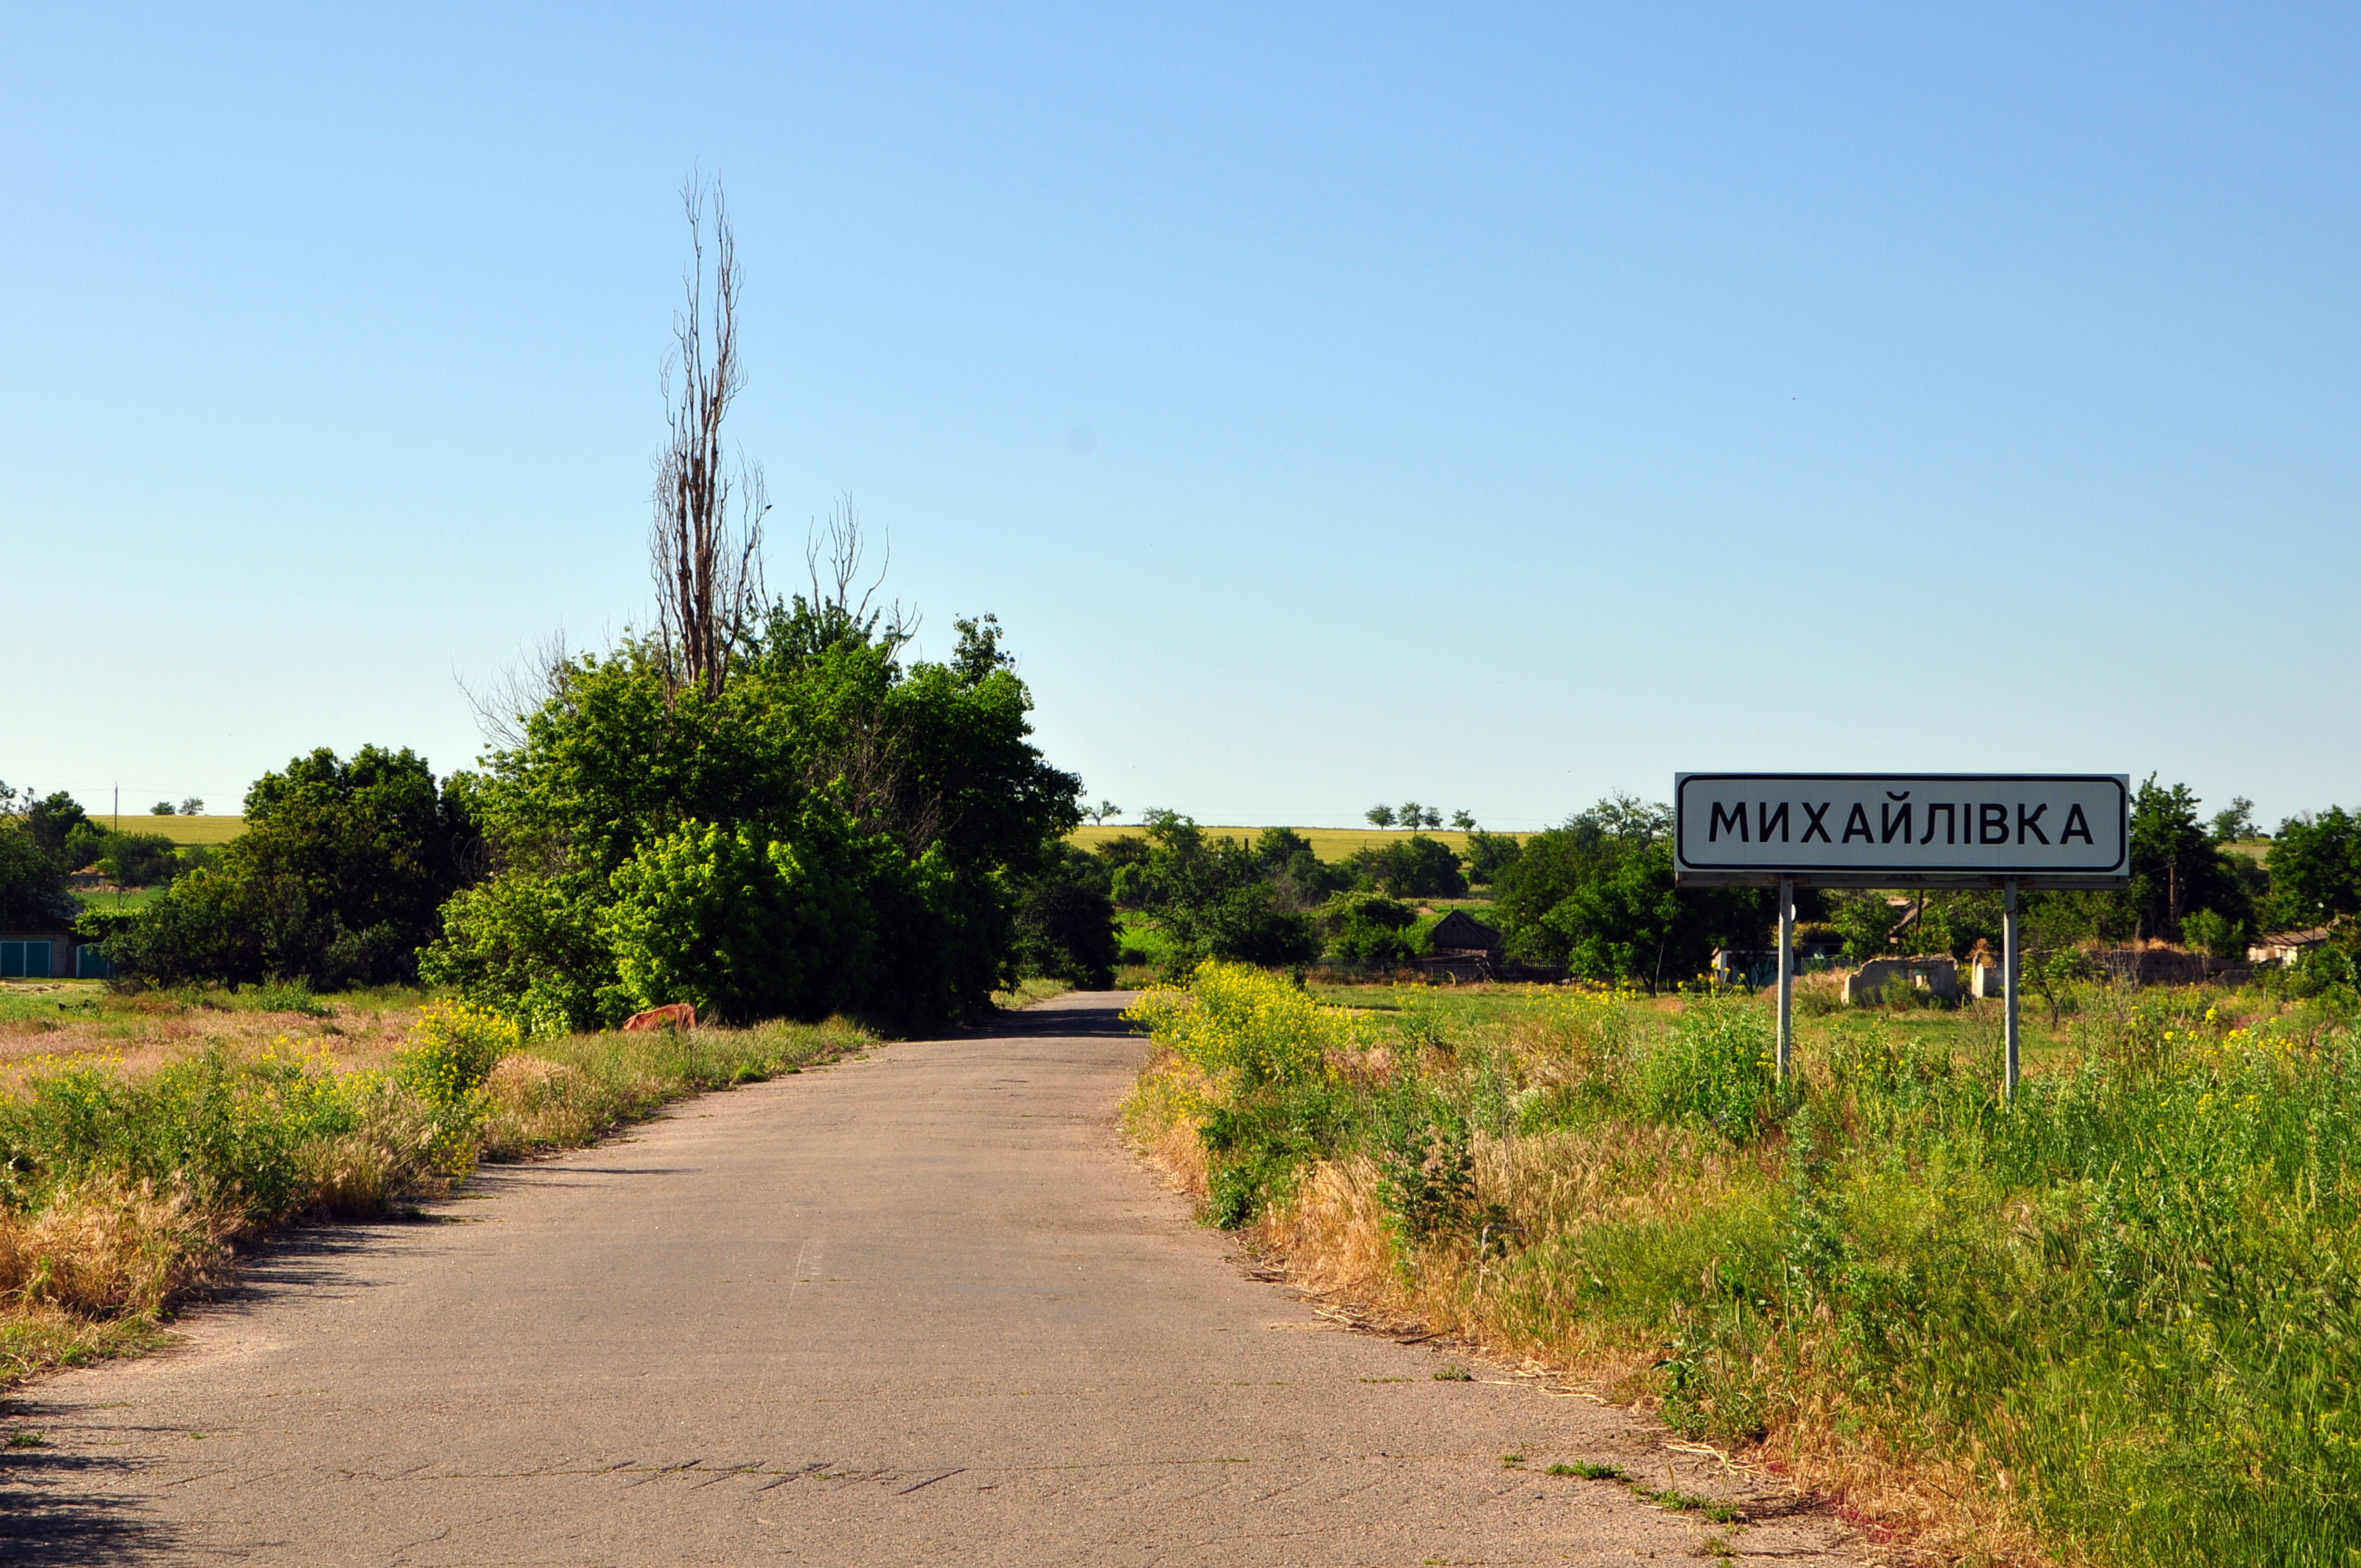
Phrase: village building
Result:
[2284,947]
[49,955]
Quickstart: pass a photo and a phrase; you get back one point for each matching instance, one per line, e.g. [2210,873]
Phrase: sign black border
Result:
[1726,873]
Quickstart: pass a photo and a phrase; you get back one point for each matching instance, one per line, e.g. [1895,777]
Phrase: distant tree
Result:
[1125,857]
[1464,820]
[1380,815]
[193,806]
[2315,869]
[138,859]
[2177,867]
[1866,920]
[162,808]
[1297,874]
[1214,897]
[53,820]
[1104,811]
[2216,934]
[2235,823]
[339,878]
[84,844]
[1490,854]
[1415,867]
[1409,814]
[1596,896]
[1065,920]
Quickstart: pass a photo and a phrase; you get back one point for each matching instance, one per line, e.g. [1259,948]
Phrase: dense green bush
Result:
[1065,920]
[1214,897]
[1595,896]
[1415,867]
[828,830]
[339,878]
[1366,929]
[1490,854]
[33,893]
[2315,869]
[1717,1069]
[137,859]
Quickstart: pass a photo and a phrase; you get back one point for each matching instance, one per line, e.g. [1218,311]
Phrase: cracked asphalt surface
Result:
[916,1307]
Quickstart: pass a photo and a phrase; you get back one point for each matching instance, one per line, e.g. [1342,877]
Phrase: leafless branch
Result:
[705,545]
[508,700]
[840,545]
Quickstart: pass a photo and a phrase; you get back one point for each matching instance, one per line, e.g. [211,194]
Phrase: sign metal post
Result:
[2008,960]
[1786,974]
[2009,831]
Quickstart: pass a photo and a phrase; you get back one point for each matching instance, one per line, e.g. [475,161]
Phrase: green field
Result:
[1328,843]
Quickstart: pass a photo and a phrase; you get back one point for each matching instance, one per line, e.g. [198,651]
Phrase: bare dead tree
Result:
[705,547]
[506,702]
[842,544]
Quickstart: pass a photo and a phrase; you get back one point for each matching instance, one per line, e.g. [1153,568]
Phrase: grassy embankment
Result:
[142,1137]
[2114,1321]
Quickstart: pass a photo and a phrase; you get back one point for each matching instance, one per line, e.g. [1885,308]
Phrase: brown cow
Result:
[679,1015]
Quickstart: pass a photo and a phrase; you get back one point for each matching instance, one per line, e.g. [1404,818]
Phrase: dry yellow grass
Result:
[109,1245]
[53,1023]
[101,1261]
[1333,1237]
[180,830]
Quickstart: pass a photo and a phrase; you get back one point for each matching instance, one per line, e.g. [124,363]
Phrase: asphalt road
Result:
[916,1307]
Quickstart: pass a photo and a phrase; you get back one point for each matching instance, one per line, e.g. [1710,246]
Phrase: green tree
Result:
[2177,866]
[1065,920]
[1490,854]
[1215,897]
[2234,823]
[1367,929]
[1867,921]
[55,818]
[2315,869]
[137,859]
[818,748]
[338,879]
[1415,867]
[33,894]
[1596,895]
[1380,815]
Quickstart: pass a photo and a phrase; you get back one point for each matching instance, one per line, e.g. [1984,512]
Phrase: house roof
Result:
[1461,929]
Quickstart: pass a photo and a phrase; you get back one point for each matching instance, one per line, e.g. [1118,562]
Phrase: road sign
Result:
[2036,831]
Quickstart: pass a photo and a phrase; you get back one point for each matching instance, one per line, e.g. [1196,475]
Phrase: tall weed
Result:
[2117,1319]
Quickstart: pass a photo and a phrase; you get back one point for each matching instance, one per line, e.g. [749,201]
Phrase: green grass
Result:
[125,899]
[2135,1291]
[1589,1472]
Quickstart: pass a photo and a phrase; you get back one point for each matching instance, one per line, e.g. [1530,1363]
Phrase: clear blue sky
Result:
[1492,406]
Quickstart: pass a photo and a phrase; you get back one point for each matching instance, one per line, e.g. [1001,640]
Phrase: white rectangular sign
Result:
[1878,830]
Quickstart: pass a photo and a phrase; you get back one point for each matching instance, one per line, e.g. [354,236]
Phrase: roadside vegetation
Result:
[2113,1321]
[144,1137]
